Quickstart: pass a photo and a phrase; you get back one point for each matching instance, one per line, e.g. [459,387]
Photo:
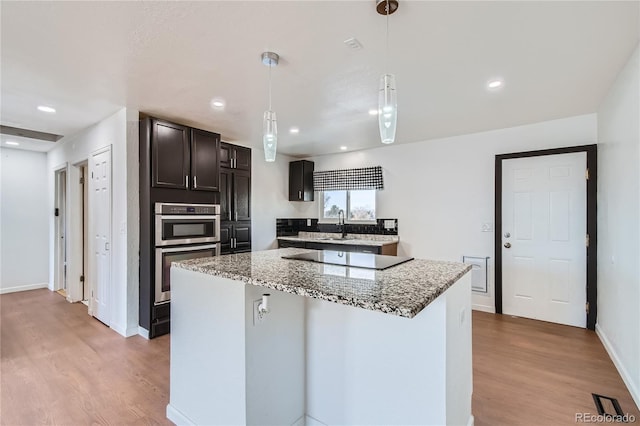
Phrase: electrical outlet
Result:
[308,222]
[389,224]
[258,317]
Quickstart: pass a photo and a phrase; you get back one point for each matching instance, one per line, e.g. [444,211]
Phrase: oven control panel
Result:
[186,209]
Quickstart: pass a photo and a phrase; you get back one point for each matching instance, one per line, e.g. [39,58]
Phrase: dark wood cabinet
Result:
[184,158]
[235,237]
[235,195]
[301,180]
[169,155]
[235,198]
[235,157]
[205,155]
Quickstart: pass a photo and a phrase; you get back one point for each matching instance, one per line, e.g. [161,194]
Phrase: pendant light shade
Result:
[270,135]
[269,121]
[387,96]
[387,108]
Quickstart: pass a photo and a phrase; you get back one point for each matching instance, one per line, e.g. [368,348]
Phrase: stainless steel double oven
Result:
[182,231]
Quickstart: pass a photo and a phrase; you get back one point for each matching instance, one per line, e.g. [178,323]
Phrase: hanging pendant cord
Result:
[270,66]
[386,65]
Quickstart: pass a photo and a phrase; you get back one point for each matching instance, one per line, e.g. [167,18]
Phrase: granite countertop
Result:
[402,290]
[351,239]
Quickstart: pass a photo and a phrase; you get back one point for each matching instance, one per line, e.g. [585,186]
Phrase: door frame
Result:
[592,223]
[60,248]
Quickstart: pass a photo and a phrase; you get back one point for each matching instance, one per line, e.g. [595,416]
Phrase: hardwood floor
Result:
[529,372]
[59,366]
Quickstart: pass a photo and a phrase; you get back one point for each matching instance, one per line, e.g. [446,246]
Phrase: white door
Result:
[100,231]
[544,225]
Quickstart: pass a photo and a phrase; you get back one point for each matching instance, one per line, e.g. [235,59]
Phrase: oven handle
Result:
[190,248]
[188,217]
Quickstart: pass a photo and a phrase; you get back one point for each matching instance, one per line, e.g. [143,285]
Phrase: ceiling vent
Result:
[353,43]
[31,134]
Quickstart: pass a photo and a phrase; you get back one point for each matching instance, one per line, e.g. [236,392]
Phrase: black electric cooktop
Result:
[358,260]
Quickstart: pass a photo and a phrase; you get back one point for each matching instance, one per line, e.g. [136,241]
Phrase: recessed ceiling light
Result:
[45,108]
[495,84]
[344,148]
[373,111]
[294,130]
[217,103]
[12,143]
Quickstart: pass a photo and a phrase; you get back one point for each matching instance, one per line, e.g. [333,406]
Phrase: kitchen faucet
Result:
[341,223]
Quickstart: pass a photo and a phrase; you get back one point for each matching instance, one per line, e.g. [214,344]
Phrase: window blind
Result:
[348,179]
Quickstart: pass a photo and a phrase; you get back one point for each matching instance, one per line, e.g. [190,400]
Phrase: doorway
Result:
[80,226]
[60,247]
[544,220]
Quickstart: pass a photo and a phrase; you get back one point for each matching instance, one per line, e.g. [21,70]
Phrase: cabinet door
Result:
[226,192]
[307,180]
[225,155]
[242,157]
[242,195]
[243,237]
[169,155]
[205,154]
[226,233]
[296,191]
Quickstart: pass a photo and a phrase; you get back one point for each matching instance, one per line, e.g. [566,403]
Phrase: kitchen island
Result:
[339,345]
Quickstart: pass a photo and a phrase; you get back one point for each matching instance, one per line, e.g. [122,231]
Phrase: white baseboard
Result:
[132,331]
[143,332]
[177,417]
[25,287]
[471,421]
[484,308]
[624,373]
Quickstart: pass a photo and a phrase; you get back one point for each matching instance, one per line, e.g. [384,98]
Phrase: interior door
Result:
[544,238]
[100,230]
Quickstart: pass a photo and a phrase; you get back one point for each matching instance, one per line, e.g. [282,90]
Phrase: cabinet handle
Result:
[186,181]
[236,215]
[195,182]
[233,243]
[229,214]
[235,163]
[300,195]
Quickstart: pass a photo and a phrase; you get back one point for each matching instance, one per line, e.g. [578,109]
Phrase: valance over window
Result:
[348,179]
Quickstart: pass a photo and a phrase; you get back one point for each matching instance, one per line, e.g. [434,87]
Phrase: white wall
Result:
[270,198]
[112,131]
[618,224]
[24,220]
[442,191]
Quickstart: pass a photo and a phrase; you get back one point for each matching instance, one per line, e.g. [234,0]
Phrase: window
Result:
[358,206]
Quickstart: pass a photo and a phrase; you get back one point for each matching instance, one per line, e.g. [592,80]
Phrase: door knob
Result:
[507,245]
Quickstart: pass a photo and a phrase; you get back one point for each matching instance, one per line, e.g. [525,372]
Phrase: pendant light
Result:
[387,97]
[269,121]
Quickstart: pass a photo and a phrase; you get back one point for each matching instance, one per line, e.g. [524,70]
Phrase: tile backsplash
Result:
[291,227]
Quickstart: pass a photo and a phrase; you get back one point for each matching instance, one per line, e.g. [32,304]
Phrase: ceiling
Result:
[170,59]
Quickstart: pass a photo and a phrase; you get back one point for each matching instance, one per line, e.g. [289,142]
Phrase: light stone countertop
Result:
[373,240]
[402,290]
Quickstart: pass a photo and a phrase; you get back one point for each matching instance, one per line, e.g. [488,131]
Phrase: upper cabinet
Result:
[169,155]
[301,180]
[184,158]
[235,157]
[205,154]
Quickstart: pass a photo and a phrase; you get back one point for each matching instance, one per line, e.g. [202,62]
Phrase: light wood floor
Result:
[59,366]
